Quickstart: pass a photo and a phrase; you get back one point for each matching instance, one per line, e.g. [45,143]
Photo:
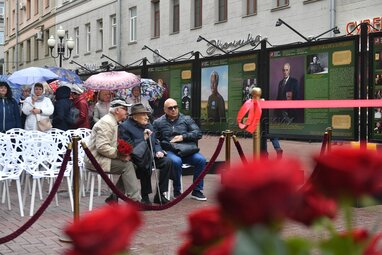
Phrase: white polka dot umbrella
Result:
[113,80]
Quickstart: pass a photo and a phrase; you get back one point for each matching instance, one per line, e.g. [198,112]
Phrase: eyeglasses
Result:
[172,107]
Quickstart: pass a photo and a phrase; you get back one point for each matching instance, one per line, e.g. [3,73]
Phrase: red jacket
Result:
[82,105]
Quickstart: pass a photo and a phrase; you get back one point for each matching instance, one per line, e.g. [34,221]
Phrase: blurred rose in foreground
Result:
[310,205]
[260,191]
[348,173]
[208,230]
[105,231]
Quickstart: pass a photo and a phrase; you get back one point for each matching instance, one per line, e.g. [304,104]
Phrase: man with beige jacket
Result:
[103,145]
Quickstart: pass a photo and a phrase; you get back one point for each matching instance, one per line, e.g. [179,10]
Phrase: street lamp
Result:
[61,45]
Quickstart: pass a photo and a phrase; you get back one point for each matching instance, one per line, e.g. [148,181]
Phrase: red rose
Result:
[207,227]
[124,148]
[104,231]
[357,235]
[310,205]
[348,172]
[259,192]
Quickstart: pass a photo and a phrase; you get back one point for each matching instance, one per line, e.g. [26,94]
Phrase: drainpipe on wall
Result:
[17,36]
[119,24]
[332,15]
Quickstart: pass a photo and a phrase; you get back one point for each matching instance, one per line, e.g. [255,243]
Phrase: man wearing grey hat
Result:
[138,131]
[103,145]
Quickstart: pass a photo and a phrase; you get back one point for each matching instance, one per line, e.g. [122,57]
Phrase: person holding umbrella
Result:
[9,109]
[37,107]
[102,106]
[136,98]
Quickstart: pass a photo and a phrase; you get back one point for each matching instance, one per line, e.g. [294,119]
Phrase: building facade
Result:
[119,29]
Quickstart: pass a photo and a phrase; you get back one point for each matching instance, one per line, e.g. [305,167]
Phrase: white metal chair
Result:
[10,170]
[42,161]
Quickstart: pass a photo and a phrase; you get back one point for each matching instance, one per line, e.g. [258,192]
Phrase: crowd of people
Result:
[113,119]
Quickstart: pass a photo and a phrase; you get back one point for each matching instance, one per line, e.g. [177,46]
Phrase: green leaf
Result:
[259,240]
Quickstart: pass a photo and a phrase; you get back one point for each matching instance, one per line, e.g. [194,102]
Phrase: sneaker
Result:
[146,200]
[163,200]
[177,193]
[113,198]
[198,195]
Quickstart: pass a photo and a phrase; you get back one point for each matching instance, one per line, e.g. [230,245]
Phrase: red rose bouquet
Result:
[124,148]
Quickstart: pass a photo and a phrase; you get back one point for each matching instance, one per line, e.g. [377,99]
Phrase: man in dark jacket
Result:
[61,116]
[137,131]
[174,127]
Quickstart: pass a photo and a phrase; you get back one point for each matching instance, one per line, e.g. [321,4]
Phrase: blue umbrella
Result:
[66,75]
[31,75]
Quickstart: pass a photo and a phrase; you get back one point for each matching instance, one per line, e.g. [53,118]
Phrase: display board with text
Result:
[176,80]
[315,71]
[375,86]
[225,86]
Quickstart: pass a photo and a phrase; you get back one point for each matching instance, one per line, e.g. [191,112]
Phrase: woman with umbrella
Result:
[9,109]
[37,107]
[102,106]
[136,98]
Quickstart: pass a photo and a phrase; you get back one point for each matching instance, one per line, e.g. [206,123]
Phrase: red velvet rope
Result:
[154,207]
[240,151]
[44,205]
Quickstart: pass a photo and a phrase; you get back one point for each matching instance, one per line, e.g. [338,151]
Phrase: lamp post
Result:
[61,45]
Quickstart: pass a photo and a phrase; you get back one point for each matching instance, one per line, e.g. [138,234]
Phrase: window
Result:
[133,24]
[197,15]
[88,37]
[222,10]
[35,49]
[156,19]
[7,66]
[28,9]
[21,54]
[28,55]
[113,22]
[282,3]
[1,37]
[36,7]
[250,7]
[175,16]
[47,50]
[77,41]
[14,57]
[99,34]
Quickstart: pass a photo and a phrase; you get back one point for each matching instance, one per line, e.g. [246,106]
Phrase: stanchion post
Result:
[76,179]
[256,95]
[76,186]
[329,130]
[228,134]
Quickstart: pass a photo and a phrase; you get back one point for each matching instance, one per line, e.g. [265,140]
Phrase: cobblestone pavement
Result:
[162,230]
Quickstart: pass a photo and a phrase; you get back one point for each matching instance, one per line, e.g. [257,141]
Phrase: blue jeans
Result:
[275,142]
[197,160]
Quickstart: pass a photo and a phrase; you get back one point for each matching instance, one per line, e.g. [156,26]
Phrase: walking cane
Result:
[147,131]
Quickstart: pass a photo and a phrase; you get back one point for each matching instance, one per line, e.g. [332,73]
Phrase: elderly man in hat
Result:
[103,145]
[79,101]
[138,131]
